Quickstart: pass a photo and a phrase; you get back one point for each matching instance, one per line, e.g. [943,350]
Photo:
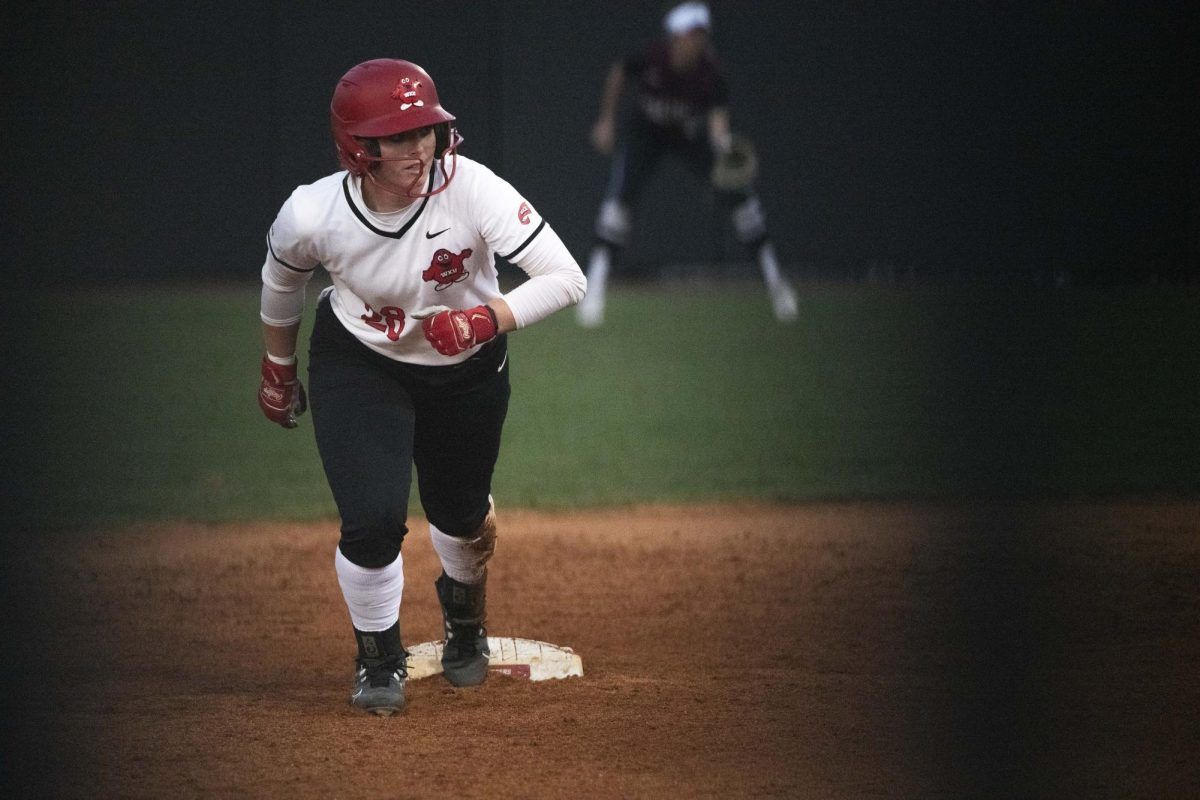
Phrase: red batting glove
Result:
[281,395]
[451,331]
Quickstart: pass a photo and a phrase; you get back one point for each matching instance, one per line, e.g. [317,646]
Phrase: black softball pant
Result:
[375,417]
[644,146]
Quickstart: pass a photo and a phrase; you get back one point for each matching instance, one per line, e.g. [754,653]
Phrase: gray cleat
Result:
[382,669]
[379,685]
[465,654]
[783,300]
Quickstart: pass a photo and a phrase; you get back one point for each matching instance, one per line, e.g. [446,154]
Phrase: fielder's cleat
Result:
[465,653]
[589,314]
[783,301]
[379,685]
[382,669]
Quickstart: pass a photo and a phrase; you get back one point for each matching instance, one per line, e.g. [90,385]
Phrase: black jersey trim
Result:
[281,261]
[363,219]
[525,243]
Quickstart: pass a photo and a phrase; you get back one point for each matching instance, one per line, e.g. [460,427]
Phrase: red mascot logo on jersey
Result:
[447,268]
[523,213]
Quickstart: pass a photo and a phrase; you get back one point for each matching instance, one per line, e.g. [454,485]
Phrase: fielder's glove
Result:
[451,331]
[736,168]
[281,395]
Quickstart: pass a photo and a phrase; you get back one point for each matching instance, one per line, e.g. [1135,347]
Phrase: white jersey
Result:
[438,251]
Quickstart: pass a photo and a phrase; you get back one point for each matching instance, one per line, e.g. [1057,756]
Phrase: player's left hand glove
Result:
[281,395]
[735,167]
[451,331]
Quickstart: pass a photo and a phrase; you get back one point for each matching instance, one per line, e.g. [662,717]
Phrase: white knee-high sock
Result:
[465,560]
[372,595]
[769,264]
[597,272]
[591,307]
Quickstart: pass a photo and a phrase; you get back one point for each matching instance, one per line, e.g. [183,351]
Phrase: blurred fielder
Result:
[681,106]
[408,361]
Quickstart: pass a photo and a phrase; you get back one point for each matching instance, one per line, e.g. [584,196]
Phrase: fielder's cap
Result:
[686,17]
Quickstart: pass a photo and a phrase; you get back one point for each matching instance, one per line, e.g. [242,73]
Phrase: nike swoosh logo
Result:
[502,363]
[429,235]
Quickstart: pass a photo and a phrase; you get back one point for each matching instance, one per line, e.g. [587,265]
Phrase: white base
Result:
[517,658]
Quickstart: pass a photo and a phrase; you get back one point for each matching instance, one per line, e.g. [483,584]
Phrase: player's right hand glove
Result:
[281,395]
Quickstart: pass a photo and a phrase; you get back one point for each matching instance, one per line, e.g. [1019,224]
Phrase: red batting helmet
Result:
[381,98]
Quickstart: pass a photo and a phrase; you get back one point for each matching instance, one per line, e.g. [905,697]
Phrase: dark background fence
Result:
[157,140]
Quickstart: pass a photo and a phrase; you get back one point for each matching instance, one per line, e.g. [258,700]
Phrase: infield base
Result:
[517,658]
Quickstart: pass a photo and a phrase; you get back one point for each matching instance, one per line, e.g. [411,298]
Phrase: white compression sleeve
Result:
[281,308]
[555,280]
[372,595]
[282,300]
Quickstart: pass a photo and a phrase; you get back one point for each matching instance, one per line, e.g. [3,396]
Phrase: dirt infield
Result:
[868,650]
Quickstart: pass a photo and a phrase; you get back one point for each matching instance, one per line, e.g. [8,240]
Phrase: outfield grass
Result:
[144,405]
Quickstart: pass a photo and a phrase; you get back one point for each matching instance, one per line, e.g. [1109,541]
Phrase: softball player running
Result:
[681,106]
[407,361]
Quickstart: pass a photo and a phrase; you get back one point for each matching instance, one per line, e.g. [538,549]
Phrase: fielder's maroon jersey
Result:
[675,102]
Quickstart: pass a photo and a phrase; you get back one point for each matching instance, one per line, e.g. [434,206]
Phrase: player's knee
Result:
[749,221]
[373,540]
[465,557]
[457,521]
[613,223]
[483,542]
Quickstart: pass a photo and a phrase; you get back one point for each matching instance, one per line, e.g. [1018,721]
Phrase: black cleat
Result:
[379,685]
[465,654]
[382,669]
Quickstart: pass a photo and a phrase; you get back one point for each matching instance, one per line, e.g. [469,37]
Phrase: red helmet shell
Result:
[380,98]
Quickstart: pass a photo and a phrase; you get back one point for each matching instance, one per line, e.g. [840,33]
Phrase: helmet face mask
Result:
[367,156]
[381,98]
